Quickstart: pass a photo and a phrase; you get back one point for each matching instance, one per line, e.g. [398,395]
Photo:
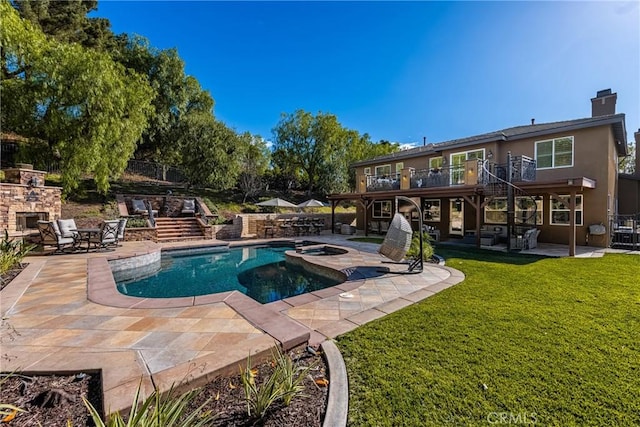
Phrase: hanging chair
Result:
[398,239]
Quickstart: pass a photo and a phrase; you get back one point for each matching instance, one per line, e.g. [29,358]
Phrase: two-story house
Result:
[557,180]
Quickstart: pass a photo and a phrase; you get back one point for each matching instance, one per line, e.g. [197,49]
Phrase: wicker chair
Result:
[397,241]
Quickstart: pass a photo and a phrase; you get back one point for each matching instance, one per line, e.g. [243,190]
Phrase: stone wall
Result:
[230,231]
[140,234]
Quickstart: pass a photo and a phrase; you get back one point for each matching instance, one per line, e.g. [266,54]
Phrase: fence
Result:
[156,171]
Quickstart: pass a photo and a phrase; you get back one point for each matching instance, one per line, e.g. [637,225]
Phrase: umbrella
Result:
[277,203]
[311,203]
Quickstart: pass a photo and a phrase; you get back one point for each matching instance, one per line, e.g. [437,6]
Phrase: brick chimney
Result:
[637,138]
[604,103]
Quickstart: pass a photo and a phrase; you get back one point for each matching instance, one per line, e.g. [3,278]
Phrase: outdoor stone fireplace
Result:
[24,200]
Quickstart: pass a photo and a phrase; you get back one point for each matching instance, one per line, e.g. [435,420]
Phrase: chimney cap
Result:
[533,121]
[603,93]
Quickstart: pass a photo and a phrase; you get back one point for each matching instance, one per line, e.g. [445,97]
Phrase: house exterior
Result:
[559,180]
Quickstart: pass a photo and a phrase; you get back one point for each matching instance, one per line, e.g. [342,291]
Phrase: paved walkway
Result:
[49,324]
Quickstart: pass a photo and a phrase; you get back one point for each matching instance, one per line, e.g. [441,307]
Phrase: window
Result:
[367,171]
[384,170]
[457,164]
[560,211]
[554,153]
[399,167]
[431,210]
[495,212]
[382,209]
[525,207]
[435,163]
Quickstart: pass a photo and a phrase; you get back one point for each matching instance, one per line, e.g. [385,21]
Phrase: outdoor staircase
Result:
[178,229]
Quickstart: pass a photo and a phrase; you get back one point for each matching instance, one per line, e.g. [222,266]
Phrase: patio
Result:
[50,325]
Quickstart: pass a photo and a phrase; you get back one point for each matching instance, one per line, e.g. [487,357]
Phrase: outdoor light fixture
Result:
[490,155]
[458,202]
[32,196]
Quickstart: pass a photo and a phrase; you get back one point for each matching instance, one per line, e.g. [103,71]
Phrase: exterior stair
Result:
[178,229]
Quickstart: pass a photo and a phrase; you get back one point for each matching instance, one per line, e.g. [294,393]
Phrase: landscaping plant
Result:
[283,384]
[12,251]
[157,411]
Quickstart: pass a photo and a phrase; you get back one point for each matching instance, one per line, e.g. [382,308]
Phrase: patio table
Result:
[85,235]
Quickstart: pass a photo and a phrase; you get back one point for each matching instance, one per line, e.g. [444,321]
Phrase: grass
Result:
[523,338]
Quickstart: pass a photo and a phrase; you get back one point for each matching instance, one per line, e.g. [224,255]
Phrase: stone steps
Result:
[178,229]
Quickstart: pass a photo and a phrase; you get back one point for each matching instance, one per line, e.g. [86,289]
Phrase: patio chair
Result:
[108,235]
[140,208]
[374,227]
[122,225]
[50,235]
[384,226]
[396,244]
[68,228]
[188,207]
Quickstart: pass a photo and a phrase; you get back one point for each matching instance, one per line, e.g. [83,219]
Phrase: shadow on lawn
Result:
[485,255]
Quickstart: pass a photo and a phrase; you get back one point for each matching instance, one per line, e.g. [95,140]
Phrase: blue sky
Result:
[399,71]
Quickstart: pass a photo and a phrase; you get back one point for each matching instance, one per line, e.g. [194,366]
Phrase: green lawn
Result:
[529,339]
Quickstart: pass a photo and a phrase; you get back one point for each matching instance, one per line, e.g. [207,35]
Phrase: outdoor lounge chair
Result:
[140,208]
[50,235]
[188,207]
[108,235]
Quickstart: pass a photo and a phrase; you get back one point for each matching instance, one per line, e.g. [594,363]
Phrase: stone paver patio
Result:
[50,325]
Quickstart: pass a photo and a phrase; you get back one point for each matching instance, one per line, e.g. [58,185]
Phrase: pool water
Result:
[260,272]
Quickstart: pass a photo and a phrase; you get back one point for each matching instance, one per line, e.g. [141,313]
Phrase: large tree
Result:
[255,157]
[210,151]
[176,95]
[89,109]
[309,147]
[67,21]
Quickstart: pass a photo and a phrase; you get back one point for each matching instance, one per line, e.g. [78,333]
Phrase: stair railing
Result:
[513,193]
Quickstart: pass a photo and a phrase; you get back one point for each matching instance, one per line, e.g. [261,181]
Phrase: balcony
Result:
[471,172]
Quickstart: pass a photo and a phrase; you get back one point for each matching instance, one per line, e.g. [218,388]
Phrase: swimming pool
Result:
[259,272]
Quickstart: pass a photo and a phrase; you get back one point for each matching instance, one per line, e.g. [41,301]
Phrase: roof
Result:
[515,133]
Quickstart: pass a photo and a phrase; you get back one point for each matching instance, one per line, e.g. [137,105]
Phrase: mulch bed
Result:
[54,400]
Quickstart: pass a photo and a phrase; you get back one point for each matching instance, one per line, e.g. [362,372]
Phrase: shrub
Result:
[427,248]
[12,251]
[137,223]
[157,411]
[283,384]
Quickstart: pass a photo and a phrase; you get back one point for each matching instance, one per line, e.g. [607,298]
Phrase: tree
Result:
[210,151]
[176,95]
[89,109]
[254,161]
[67,21]
[627,164]
[310,147]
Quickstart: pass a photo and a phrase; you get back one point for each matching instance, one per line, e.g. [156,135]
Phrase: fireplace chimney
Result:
[604,103]
[637,138]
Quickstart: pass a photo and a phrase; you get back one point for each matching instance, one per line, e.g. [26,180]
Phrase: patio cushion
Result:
[138,206]
[189,206]
[56,229]
[66,226]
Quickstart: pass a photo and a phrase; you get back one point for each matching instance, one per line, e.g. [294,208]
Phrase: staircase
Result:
[178,229]
[498,182]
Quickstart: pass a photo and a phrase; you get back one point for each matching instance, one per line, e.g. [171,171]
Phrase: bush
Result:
[427,248]
[12,252]
[283,384]
[157,411]
[137,223]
